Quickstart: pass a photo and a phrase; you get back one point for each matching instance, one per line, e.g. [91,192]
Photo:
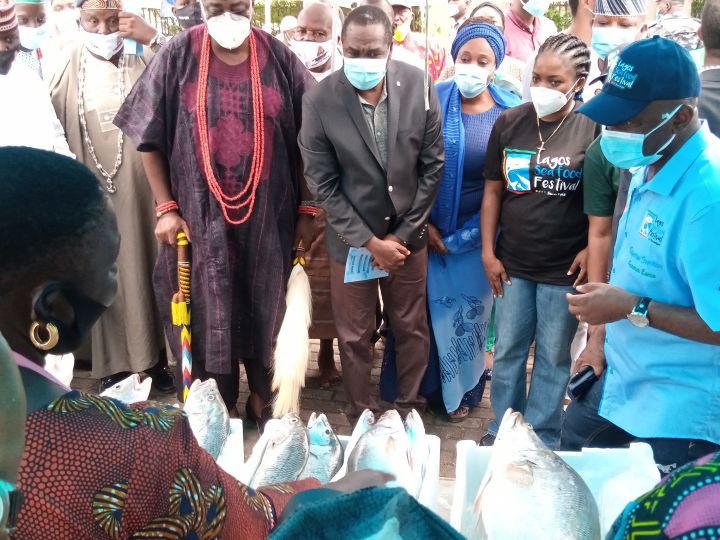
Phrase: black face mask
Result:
[87,312]
[6,60]
[189,16]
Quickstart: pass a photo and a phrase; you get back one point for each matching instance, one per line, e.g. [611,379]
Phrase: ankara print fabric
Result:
[95,468]
[684,506]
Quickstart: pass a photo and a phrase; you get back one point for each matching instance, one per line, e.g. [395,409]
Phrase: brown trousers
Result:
[404,297]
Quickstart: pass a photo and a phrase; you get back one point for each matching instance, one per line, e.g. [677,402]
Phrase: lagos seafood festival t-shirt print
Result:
[542,222]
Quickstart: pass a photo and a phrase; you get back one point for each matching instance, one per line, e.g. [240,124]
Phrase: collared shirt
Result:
[521,40]
[376,116]
[668,249]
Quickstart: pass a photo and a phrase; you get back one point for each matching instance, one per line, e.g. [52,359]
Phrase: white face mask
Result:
[65,22]
[312,53]
[32,38]
[103,45]
[548,101]
[229,30]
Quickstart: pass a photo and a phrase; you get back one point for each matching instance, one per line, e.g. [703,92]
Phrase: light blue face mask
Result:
[365,73]
[608,38]
[625,150]
[471,79]
[536,8]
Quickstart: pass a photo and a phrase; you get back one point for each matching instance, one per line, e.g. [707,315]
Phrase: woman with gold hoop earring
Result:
[93,467]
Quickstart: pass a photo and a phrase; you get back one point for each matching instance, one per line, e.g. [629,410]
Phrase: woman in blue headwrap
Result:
[459,297]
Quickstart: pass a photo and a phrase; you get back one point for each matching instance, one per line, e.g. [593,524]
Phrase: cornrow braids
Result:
[573,49]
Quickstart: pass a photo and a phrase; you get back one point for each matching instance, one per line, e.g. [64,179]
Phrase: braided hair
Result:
[572,49]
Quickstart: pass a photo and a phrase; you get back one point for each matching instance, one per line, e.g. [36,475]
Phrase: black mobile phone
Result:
[581,382]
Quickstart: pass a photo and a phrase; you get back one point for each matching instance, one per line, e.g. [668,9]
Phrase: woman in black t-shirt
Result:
[533,196]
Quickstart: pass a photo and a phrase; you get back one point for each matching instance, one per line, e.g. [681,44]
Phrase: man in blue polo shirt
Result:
[662,306]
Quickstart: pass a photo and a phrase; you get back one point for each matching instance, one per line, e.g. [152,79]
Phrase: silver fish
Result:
[325,456]
[528,492]
[130,389]
[283,452]
[385,446]
[208,416]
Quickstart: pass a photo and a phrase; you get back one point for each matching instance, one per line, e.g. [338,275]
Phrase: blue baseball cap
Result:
[648,70]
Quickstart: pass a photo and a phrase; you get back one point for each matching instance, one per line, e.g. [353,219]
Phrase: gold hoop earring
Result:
[52,340]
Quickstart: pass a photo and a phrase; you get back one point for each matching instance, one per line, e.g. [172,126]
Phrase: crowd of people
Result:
[520,191]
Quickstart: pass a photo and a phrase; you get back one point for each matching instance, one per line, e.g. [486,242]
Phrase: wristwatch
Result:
[10,502]
[639,315]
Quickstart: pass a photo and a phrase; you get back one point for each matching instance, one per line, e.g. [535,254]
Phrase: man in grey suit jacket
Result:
[373,157]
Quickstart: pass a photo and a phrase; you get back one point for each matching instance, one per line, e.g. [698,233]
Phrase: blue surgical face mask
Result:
[625,150]
[536,8]
[365,73]
[471,79]
[608,38]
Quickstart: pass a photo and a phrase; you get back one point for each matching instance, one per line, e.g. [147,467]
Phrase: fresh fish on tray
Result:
[208,416]
[281,452]
[130,389]
[385,446]
[325,456]
[529,493]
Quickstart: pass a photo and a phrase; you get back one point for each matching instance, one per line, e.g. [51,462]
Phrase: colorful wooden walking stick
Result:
[181,310]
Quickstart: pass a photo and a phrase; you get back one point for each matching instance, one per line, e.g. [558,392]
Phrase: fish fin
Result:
[520,472]
[292,349]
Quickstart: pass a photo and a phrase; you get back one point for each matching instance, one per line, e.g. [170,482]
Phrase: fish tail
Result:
[292,351]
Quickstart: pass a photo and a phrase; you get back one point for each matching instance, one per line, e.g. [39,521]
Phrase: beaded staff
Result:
[181,310]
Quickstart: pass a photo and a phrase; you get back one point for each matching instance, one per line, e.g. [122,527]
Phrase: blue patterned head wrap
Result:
[488,31]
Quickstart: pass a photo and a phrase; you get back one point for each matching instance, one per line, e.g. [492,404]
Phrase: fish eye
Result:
[327,432]
[293,420]
[211,397]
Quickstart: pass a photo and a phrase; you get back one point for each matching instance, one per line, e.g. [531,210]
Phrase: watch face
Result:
[641,321]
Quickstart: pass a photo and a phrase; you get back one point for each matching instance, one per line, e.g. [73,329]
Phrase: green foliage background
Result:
[559,13]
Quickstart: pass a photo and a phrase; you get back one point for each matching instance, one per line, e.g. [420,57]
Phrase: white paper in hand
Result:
[359,266]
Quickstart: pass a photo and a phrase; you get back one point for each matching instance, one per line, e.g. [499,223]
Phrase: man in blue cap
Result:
[661,310]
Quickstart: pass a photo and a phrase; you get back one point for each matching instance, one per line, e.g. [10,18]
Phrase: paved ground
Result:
[332,401]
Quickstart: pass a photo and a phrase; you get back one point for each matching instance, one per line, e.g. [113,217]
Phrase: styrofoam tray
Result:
[615,477]
[232,457]
[429,488]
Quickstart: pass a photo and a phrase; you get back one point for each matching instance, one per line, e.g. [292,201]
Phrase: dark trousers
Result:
[354,307]
[583,427]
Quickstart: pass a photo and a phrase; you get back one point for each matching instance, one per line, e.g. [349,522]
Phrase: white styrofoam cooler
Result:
[232,457]
[430,485]
[615,477]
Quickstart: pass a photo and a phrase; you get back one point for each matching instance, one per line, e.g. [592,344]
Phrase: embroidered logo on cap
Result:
[623,75]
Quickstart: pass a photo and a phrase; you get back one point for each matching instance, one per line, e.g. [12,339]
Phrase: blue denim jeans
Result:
[583,427]
[530,310]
